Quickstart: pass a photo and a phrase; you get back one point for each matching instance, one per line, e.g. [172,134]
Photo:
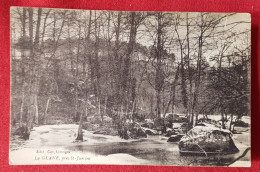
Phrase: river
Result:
[103,149]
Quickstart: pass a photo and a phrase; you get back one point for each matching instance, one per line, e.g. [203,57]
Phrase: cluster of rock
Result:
[22,132]
[172,125]
[205,138]
[97,126]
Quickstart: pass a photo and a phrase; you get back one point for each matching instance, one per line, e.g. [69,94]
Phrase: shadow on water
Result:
[155,152]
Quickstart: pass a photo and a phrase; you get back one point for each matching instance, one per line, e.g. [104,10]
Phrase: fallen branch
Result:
[241,156]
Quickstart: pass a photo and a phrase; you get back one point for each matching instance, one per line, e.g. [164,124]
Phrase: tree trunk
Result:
[31,112]
[37,33]
[89,55]
[198,78]
[31,108]
[44,28]
[127,62]
[197,118]
[36,119]
[173,90]
[99,111]
[23,70]
[231,121]
[167,107]
[22,106]
[105,109]
[117,63]
[223,120]
[46,110]
[80,132]
[158,104]
[96,58]
[86,111]
[76,92]
[188,63]
[30,11]
[158,73]
[133,110]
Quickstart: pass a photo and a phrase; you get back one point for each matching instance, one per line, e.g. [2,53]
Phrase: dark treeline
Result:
[73,64]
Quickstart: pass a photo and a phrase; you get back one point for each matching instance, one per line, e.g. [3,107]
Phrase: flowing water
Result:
[154,150]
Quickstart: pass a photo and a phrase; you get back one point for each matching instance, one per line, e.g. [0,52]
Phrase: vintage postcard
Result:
[128,87]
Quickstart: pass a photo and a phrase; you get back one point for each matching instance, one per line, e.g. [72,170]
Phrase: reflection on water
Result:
[157,152]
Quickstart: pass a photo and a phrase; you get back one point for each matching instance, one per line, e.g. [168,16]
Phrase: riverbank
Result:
[55,144]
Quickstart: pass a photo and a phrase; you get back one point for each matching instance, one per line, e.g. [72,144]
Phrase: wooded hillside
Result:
[69,65]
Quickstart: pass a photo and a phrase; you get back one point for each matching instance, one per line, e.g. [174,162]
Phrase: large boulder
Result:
[179,118]
[169,117]
[107,119]
[22,132]
[205,124]
[241,123]
[169,132]
[123,132]
[100,132]
[209,122]
[136,131]
[180,128]
[90,126]
[106,131]
[148,125]
[203,140]
[159,124]
[175,138]
[131,130]
[149,131]
[176,125]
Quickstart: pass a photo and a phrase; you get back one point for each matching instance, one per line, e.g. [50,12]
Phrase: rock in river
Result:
[175,138]
[203,140]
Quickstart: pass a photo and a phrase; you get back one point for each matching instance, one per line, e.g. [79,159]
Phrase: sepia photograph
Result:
[130,87]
